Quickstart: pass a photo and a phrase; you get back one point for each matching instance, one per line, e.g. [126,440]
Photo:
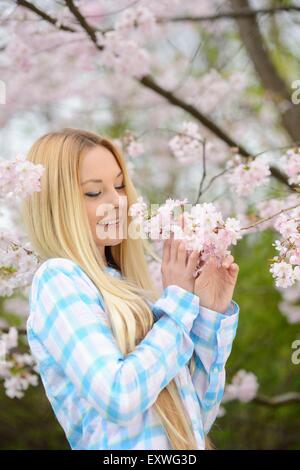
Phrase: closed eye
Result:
[97,194]
[92,194]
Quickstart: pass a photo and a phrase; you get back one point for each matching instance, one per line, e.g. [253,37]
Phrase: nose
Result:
[109,206]
[115,198]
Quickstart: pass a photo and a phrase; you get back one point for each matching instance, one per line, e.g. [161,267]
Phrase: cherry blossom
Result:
[290,311]
[272,206]
[284,273]
[285,266]
[243,387]
[187,144]
[202,228]
[131,44]
[290,163]
[15,368]
[140,17]
[245,177]
[18,263]
[122,55]
[130,145]
[19,178]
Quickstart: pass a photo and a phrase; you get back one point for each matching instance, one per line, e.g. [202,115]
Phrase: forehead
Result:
[98,162]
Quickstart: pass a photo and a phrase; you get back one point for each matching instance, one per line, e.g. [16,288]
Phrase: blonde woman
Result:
[123,366]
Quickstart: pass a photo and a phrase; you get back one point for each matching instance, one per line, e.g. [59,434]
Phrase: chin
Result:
[112,242]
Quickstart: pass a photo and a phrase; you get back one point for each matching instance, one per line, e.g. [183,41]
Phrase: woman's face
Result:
[104,196]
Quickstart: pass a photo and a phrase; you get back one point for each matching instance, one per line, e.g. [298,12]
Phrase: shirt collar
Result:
[113,271]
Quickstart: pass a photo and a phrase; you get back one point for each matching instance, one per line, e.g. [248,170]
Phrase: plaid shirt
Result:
[103,399]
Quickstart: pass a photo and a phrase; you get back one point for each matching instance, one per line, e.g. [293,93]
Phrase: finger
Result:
[233,272]
[174,248]
[212,261]
[210,265]
[181,253]
[201,261]
[166,251]
[228,260]
[192,261]
[234,268]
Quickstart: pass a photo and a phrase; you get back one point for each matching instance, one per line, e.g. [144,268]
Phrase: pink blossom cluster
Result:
[15,369]
[286,265]
[245,176]
[19,178]
[122,55]
[290,163]
[243,387]
[187,144]
[267,209]
[212,88]
[122,50]
[129,145]
[140,18]
[290,304]
[132,148]
[18,263]
[202,227]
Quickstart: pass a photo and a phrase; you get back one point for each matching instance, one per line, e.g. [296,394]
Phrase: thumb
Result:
[192,261]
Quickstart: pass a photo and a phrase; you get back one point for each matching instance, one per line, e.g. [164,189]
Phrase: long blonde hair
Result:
[57,226]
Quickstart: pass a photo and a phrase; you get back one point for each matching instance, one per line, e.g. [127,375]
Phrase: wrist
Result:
[221,308]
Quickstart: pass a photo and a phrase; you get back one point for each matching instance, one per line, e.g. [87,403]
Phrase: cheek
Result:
[124,206]
[91,208]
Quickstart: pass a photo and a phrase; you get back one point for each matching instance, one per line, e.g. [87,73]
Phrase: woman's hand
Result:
[215,286]
[177,267]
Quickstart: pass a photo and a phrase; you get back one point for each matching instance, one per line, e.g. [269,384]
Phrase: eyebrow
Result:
[100,181]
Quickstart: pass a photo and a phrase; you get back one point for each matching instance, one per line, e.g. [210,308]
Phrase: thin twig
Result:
[50,19]
[148,82]
[277,400]
[241,13]
[271,216]
[204,170]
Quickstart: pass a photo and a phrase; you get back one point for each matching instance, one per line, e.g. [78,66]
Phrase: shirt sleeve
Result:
[213,334]
[67,320]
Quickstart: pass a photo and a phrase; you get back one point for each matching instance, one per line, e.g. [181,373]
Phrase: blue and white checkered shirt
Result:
[103,399]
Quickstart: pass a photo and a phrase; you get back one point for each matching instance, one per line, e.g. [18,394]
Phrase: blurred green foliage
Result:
[263,346]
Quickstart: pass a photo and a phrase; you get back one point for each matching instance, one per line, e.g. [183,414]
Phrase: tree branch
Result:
[277,400]
[206,122]
[82,21]
[44,15]
[266,71]
[148,82]
[237,13]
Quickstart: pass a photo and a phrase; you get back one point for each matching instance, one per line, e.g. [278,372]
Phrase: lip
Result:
[103,224]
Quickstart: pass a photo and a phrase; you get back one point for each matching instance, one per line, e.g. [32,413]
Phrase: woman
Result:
[122,366]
